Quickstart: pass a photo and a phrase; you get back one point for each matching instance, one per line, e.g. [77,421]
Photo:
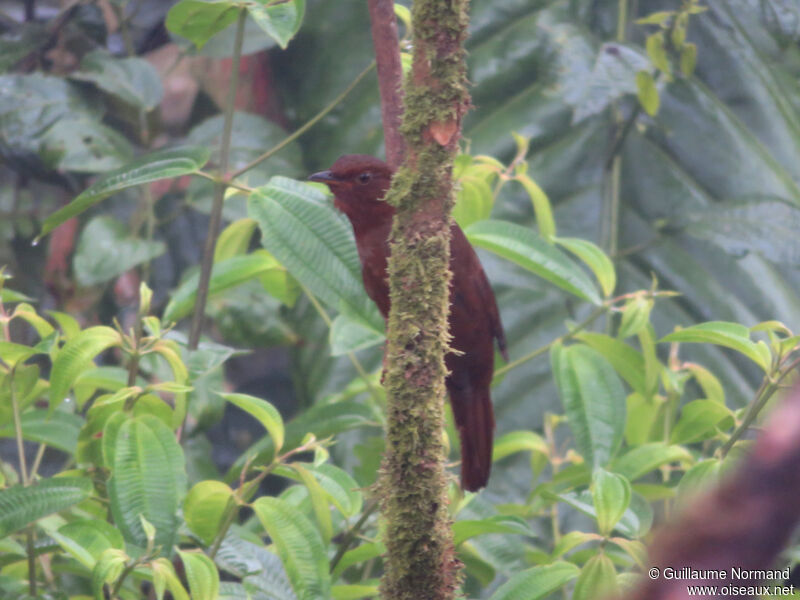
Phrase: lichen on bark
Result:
[421,561]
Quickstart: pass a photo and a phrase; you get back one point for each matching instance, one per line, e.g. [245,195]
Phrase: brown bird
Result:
[358,183]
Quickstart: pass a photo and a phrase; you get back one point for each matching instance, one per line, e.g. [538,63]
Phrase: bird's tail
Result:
[472,410]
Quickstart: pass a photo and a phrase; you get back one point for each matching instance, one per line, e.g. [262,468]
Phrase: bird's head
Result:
[358,183]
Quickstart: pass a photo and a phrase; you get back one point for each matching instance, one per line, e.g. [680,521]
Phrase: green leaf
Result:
[148,479]
[202,575]
[83,144]
[593,399]
[466,529]
[20,506]
[86,540]
[204,508]
[473,199]
[647,92]
[107,569]
[525,248]
[699,478]
[729,335]
[234,239]
[598,579]
[75,357]
[161,164]
[625,359]
[350,335]
[541,206]
[635,316]
[280,21]
[315,242]
[354,591]
[711,386]
[57,429]
[518,441]
[362,553]
[106,250]
[319,502]
[133,80]
[199,21]
[594,258]
[643,459]
[299,546]
[537,582]
[688,59]
[611,495]
[12,354]
[656,18]
[657,52]
[224,275]
[262,410]
[699,421]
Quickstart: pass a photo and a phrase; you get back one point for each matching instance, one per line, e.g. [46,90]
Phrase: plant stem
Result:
[308,125]
[31,552]
[219,192]
[23,468]
[763,394]
[351,534]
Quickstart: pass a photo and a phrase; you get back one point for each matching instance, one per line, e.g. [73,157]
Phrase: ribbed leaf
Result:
[204,508]
[86,540]
[594,401]
[730,335]
[75,356]
[148,479]
[611,495]
[643,459]
[298,545]
[315,242]
[201,574]
[20,506]
[525,248]
[537,582]
[262,410]
[57,429]
[464,530]
[161,164]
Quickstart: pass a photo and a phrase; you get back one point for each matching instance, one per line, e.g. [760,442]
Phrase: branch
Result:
[390,77]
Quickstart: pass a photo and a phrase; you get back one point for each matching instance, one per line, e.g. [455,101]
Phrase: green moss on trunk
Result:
[421,562]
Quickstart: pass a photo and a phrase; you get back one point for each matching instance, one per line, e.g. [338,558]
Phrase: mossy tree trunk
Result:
[421,562]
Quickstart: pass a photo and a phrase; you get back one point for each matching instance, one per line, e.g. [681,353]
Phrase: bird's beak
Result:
[324,177]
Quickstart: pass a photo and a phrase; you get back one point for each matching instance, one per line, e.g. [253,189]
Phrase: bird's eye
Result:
[364,177]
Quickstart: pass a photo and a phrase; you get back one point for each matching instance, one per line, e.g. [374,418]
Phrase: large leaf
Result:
[198,21]
[525,248]
[147,479]
[161,164]
[106,250]
[537,582]
[299,546]
[730,335]
[315,242]
[20,506]
[594,401]
[57,429]
[133,80]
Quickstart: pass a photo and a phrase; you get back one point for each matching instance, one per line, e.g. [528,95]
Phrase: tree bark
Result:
[390,77]
[421,561]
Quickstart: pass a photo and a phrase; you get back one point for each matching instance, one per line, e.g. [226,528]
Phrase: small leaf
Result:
[598,579]
[280,20]
[202,575]
[12,354]
[643,459]
[627,361]
[199,21]
[688,59]
[699,421]
[319,501]
[656,18]
[518,441]
[161,164]
[597,260]
[76,355]
[525,248]
[86,540]
[635,316]
[262,410]
[647,92]
[20,506]
[541,206]
[729,335]
[537,582]
[611,495]
[466,529]
[234,239]
[657,52]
